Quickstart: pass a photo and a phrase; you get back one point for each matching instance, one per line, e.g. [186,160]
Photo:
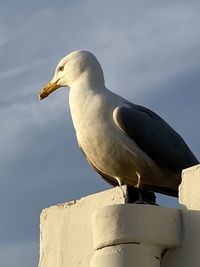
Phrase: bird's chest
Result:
[95,135]
[95,129]
[103,143]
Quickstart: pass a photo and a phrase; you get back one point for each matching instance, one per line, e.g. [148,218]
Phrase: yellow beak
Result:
[48,89]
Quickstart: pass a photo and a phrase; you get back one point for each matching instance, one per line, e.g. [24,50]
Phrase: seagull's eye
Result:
[61,68]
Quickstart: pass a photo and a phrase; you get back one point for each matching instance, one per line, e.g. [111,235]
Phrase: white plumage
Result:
[124,142]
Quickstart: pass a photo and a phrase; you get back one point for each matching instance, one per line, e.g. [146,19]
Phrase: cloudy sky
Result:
[149,51]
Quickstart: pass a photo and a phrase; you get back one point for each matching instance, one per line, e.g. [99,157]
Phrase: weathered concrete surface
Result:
[66,232]
[127,255]
[134,234]
[147,224]
[188,255]
[67,238]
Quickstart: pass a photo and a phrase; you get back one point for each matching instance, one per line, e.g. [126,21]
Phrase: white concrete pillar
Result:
[188,255]
[133,235]
[119,234]
[66,232]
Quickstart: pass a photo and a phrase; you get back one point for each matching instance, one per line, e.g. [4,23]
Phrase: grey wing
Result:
[155,137]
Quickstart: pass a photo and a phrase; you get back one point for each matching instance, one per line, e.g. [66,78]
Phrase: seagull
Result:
[127,144]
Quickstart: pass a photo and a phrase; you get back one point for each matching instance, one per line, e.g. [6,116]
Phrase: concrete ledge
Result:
[101,230]
[66,231]
[136,223]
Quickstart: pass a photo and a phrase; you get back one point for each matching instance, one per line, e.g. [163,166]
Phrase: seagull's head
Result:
[76,66]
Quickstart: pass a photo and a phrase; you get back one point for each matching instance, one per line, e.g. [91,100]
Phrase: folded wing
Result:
[155,137]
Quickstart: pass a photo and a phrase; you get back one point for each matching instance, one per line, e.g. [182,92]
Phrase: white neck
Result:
[83,93]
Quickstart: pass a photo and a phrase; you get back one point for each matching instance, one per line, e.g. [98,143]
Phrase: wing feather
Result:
[155,137]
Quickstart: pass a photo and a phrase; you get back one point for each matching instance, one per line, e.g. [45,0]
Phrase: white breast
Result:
[104,144]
